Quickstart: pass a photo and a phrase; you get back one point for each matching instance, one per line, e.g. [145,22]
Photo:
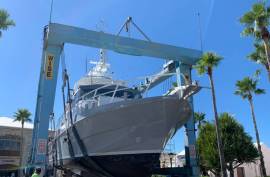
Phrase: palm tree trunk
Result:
[21,150]
[219,142]
[231,170]
[263,170]
[267,52]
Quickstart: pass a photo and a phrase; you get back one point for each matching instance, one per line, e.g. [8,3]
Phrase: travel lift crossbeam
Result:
[56,35]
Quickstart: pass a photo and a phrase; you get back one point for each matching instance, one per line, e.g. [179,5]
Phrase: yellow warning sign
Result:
[49,67]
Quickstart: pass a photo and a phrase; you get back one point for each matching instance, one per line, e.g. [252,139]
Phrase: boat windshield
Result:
[93,91]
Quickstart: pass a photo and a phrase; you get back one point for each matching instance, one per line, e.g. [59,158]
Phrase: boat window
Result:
[107,91]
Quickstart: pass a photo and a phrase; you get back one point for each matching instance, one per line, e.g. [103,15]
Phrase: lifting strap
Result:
[126,25]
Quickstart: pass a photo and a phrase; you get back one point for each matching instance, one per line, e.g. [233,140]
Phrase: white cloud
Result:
[9,122]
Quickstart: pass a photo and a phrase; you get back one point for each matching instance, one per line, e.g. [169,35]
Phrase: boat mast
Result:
[101,67]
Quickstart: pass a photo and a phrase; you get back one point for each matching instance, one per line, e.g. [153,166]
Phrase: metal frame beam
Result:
[59,34]
[56,35]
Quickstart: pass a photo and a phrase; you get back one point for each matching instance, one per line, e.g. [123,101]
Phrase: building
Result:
[180,159]
[167,160]
[253,169]
[245,170]
[10,137]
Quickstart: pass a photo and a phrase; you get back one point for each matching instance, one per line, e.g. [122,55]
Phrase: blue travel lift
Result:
[56,35]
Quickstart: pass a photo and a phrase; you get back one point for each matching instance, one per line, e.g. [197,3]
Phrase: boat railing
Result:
[93,95]
[146,83]
[93,98]
[113,91]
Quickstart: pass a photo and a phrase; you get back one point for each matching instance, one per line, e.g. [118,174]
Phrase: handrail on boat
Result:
[85,96]
[95,91]
[110,92]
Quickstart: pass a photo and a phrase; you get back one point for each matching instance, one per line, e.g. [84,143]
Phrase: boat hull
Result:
[124,139]
[126,165]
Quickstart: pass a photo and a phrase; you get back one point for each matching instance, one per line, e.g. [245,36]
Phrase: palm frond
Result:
[258,8]
[259,91]
[255,20]
[200,68]
[5,21]
[259,55]
[257,73]
[22,115]
[208,60]
[244,95]
[248,31]
[248,18]
[199,116]
[248,86]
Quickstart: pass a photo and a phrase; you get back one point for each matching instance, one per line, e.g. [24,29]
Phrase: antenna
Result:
[101,26]
[200,30]
[51,10]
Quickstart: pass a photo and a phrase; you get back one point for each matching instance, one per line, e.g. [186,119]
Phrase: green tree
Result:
[22,115]
[199,118]
[208,153]
[256,22]
[5,21]
[247,88]
[238,146]
[206,64]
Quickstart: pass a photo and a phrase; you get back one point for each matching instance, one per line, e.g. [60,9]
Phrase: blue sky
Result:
[174,22]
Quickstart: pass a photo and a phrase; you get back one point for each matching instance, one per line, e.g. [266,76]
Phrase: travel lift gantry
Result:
[56,35]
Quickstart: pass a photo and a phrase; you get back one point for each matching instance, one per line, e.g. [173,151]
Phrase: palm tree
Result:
[247,88]
[256,22]
[22,115]
[199,118]
[260,57]
[5,21]
[206,65]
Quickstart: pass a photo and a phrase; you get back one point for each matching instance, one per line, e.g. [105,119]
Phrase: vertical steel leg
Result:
[45,103]
[184,75]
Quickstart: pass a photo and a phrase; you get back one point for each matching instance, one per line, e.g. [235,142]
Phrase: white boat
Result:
[112,130]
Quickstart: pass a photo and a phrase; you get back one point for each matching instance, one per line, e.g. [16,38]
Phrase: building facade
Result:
[253,169]
[245,170]
[10,144]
